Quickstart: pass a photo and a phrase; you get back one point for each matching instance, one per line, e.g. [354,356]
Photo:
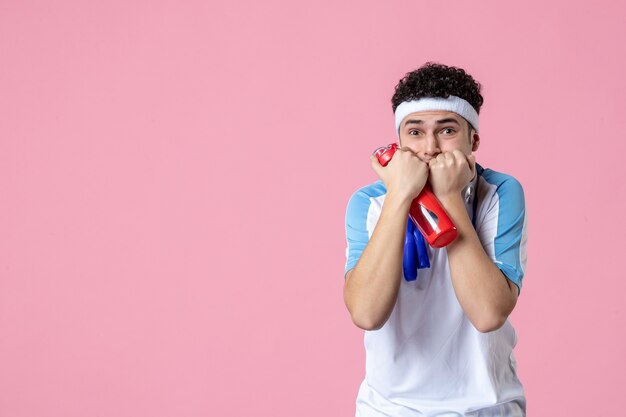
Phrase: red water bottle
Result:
[426,212]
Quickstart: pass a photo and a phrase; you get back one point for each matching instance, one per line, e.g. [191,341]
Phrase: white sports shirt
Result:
[428,359]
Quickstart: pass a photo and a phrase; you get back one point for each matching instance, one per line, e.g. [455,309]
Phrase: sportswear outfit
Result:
[428,359]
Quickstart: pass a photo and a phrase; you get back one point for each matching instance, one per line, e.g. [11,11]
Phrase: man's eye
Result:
[448,130]
[414,132]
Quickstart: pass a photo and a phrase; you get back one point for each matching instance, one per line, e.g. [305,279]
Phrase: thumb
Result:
[376,166]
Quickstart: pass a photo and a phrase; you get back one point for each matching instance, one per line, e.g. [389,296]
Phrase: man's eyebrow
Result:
[441,121]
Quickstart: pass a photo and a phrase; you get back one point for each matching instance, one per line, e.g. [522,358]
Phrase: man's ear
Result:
[475,141]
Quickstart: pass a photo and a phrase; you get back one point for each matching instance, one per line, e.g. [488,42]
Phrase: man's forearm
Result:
[371,290]
[485,294]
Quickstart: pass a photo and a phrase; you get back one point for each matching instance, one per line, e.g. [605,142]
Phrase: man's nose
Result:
[431,147]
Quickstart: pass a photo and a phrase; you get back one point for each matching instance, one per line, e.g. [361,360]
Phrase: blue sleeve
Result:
[509,218]
[357,235]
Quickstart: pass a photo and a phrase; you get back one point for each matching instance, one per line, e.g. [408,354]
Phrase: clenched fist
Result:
[450,172]
[404,176]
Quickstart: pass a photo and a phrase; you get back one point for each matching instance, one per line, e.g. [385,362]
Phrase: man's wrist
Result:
[450,199]
[398,199]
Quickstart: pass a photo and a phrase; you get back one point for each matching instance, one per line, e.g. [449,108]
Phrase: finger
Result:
[458,154]
[471,160]
[375,161]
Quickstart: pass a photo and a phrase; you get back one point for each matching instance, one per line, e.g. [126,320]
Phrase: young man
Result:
[440,345]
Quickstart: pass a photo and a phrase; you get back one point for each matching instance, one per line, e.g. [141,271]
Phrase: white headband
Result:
[452,103]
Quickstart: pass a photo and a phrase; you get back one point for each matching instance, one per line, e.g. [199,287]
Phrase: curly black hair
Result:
[438,80]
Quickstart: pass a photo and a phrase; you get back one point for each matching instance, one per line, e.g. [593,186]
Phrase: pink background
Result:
[166,250]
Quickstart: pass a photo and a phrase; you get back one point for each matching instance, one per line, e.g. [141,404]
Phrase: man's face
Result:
[430,133]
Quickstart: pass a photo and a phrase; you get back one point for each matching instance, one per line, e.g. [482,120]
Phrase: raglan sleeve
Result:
[357,234]
[504,232]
